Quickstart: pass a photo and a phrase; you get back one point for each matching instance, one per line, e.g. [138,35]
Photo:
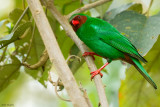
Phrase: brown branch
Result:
[58,83]
[85,95]
[55,54]
[57,92]
[40,63]
[54,83]
[73,56]
[69,31]
[87,7]
[67,60]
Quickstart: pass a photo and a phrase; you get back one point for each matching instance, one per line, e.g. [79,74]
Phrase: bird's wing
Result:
[121,43]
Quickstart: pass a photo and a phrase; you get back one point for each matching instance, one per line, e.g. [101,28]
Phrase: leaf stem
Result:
[30,45]
[147,12]
[3,54]
[19,20]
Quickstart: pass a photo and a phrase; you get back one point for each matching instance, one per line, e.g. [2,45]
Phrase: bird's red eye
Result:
[75,22]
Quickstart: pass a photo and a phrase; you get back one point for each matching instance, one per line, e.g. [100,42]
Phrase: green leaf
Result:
[67,6]
[65,43]
[118,3]
[61,3]
[3,28]
[36,51]
[2,22]
[37,48]
[9,73]
[44,76]
[155,7]
[112,13]
[9,27]
[71,6]
[137,8]
[74,64]
[103,8]
[15,15]
[14,35]
[137,87]
[140,30]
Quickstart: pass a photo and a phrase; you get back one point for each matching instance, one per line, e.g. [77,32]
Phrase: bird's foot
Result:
[94,73]
[90,54]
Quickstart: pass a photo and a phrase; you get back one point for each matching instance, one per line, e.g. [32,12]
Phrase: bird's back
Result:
[90,34]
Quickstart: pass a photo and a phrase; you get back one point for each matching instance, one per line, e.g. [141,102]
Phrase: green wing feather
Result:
[121,43]
[143,72]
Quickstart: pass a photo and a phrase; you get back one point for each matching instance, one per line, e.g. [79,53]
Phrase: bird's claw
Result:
[94,73]
[88,54]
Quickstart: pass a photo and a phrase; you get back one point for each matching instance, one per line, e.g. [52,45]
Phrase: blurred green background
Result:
[138,20]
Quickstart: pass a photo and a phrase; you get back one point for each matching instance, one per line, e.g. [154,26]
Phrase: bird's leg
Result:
[91,54]
[94,73]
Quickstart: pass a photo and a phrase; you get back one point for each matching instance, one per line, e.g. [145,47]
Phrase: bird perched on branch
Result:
[107,42]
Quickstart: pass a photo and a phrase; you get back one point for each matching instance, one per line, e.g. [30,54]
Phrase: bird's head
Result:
[77,20]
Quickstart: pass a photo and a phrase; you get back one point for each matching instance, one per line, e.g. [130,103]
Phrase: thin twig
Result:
[69,31]
[70,56]
[87,7]
[85,95]
[40,63]
[3,54]
[59,78]
[58,94]
[21,17]
[54,83]
[30,45]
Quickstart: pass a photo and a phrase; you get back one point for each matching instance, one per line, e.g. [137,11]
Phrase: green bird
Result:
[107,42]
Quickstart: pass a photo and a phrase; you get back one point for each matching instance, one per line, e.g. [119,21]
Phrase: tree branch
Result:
[40,63]
[57,92]
[55,54]
[85,95]
[69,31]
[87,7]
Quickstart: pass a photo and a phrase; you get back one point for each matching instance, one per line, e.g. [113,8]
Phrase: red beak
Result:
[75,22]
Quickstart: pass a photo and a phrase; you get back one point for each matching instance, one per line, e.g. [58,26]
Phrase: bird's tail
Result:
[143,72]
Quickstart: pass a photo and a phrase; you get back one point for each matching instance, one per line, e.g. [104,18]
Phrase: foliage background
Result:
[125,87]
